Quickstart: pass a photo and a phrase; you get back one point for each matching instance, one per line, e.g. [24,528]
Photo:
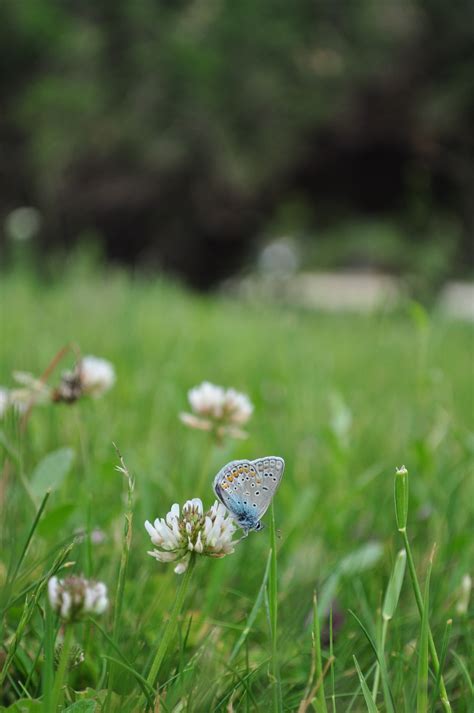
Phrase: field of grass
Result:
[344,399]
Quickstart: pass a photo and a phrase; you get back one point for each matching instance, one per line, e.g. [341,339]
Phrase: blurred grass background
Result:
[272,157]
[185,136]
[343,399]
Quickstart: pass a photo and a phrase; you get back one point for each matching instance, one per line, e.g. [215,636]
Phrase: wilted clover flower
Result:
[91,376]
[176,536]
[75,658]
[217,409]
[75,597]
[31,391]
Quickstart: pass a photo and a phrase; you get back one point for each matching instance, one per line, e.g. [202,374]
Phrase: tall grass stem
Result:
[273,609]
[171,624]
[419,602]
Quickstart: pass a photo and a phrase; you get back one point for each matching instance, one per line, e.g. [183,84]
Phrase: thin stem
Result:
[375,687]
[273,607]
[62,667]
[126,545]
[206,464]
[419,603]
[319,662]
[171,624]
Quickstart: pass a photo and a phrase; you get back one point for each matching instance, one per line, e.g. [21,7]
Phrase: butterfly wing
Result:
[229,482]
[269,475]
[246,487]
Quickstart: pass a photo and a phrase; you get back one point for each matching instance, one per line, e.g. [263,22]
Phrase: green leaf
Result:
[394,586]
[55,519]
[371,707]
[81,707]
[25,705]
[361,559]
[51,471]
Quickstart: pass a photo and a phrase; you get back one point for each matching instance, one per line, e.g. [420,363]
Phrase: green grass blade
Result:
[331,656]
[273,611]
[171,624]
[253,613]
[48,665]
[28,609]
[394,586]
[148,692]
[442,659]
[319,674]
[126,544]
[463,668]
[422,674]
[371,707]
[383,669]
[390,603]
[30,536]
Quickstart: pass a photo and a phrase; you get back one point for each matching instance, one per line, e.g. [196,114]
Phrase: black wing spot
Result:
[257,492]
[254,505]
[264,487]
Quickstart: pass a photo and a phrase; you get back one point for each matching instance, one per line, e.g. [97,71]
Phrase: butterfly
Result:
[246,489]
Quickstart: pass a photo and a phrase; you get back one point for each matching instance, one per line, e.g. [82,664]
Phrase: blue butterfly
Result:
[246,489]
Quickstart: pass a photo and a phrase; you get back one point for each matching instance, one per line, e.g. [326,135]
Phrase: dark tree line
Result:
[174,131]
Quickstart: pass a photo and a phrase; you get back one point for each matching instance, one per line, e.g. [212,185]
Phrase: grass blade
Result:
[422,676]
[383,669]
[331,656]
[463,668]
[29,537]
[318,660]
[371,707]
[273,610]
[253,614]
[126,544]
[442,659]
[29,607]
[390,603]
[394,586]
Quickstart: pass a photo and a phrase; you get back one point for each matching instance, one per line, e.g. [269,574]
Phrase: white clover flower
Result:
[75,597]
[217,409]
[207,400]
[176,536]
[91,376]
[97,375]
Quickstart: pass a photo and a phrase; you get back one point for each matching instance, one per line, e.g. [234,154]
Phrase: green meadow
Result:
[344,399]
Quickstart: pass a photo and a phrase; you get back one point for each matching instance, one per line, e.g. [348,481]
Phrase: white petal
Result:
[181,567]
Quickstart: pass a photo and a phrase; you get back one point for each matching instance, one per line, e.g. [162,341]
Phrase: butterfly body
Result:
[246,488]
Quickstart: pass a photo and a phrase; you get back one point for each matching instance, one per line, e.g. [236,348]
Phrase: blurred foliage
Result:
[176,130]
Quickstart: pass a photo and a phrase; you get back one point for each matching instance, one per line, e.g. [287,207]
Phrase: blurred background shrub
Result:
[186,135]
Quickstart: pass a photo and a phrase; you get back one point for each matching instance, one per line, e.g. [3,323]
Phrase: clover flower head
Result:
[29,392]
[92,376]
[97,375]
[75,597]
[179,534]
[216,409]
